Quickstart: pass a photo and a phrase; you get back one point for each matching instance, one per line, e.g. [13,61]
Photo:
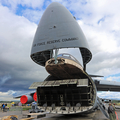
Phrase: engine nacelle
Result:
[26,99]
[35,96]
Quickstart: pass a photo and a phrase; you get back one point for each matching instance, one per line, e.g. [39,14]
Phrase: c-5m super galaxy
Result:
[69,89]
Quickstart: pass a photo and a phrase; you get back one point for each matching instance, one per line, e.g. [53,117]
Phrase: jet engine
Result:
[26,99]
[35,96]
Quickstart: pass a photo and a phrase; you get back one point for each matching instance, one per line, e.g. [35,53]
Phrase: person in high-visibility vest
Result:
[116,116]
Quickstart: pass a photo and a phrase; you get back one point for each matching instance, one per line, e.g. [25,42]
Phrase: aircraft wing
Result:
[28,93]
[104,85]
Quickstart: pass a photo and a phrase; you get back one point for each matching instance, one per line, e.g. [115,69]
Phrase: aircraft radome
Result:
[69,89]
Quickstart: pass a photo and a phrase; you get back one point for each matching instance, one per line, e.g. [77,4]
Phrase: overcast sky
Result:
[99,20]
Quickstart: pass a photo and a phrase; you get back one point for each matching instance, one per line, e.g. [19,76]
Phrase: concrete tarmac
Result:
[98,115]
[69,117]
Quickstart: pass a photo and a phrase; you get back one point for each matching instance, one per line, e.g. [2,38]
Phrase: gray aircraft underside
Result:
[58,29]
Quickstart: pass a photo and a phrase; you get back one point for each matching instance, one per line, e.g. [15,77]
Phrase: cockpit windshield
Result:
[68,56]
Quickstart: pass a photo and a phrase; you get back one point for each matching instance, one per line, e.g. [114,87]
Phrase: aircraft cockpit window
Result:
[60,55]
[63,55]
[66,55]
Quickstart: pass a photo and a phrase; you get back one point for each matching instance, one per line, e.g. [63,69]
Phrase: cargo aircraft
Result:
[69,89]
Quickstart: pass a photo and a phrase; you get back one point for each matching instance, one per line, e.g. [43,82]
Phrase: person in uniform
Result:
[111,112]
[114,111]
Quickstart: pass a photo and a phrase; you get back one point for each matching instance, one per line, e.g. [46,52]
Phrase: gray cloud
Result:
[4,79]
[17,70]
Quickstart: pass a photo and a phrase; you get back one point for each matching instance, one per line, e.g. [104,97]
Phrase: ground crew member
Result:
[114,111]
[111,112]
